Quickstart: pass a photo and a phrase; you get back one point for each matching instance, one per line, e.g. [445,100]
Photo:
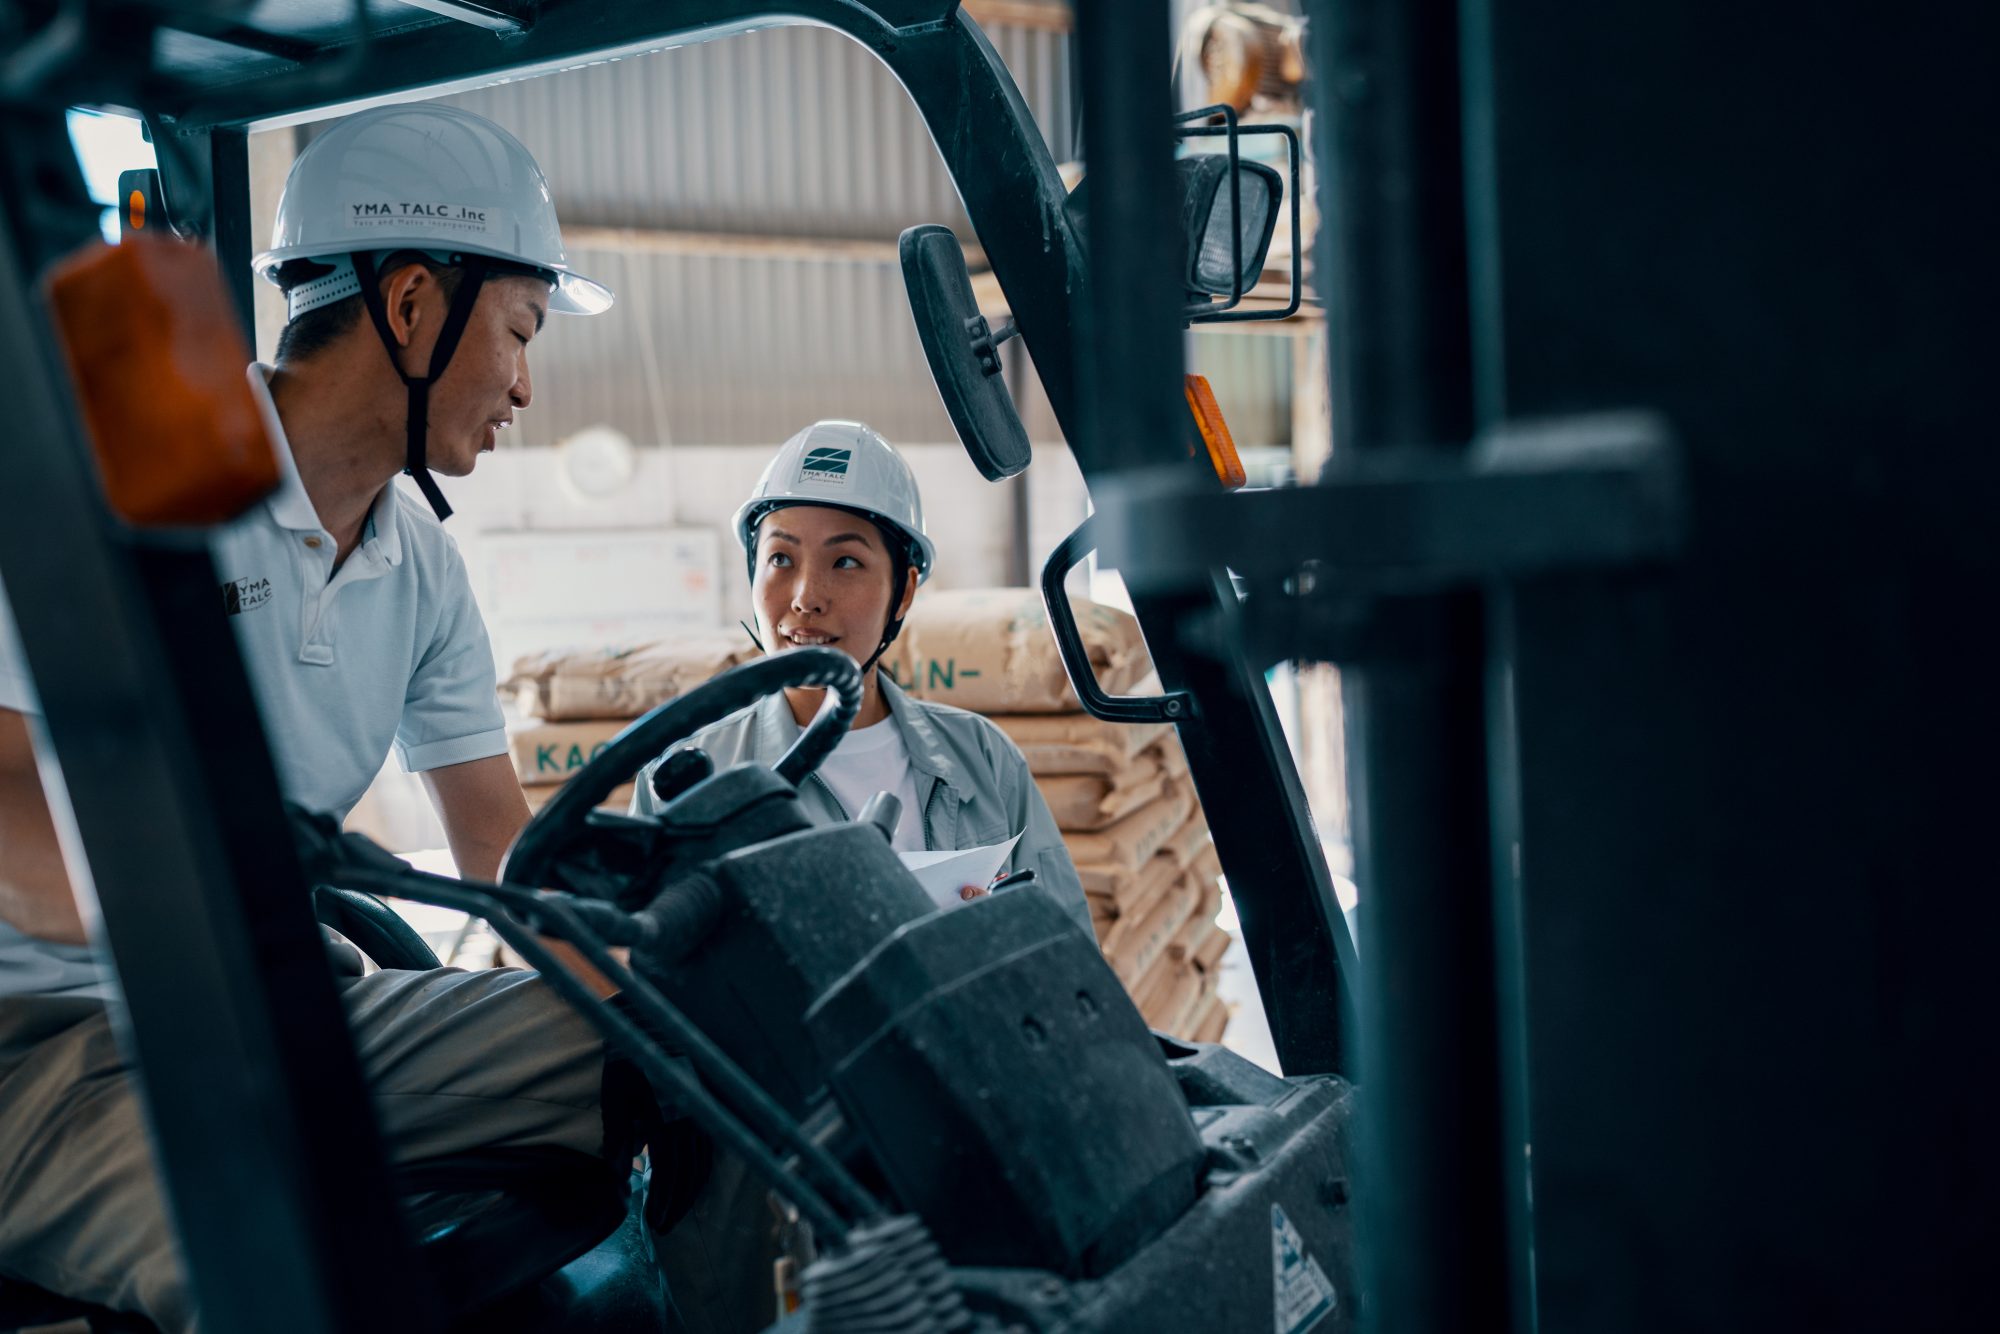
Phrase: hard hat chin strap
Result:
[888,638]
[895,625]
[417,423]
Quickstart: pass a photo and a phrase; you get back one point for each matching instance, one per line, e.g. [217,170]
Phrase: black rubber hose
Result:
[535,847]
[663,1073]
[679,918]
[836,714]
[565,915]
[745,1093]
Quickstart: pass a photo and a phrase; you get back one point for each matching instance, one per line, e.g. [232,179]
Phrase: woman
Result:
[834,536]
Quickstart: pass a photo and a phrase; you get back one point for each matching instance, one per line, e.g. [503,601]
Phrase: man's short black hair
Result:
[319,328]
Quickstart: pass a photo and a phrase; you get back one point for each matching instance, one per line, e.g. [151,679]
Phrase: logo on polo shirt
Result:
[826,465]
[243,595]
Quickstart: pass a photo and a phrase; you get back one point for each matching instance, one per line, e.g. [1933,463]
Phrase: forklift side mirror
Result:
[1217,263]
[1208,219]
[964,353]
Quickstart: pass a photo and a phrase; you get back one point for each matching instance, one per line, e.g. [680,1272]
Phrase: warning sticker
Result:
[1304,1297]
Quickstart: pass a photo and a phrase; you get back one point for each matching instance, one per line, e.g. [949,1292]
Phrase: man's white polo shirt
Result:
[388,651]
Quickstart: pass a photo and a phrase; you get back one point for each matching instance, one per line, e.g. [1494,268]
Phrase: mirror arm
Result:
[986,341]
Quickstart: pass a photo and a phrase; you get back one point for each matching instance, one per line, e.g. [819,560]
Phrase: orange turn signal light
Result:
[158,363]
[1215,433]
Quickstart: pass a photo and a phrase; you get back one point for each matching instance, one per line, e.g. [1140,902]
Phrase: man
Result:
[419,254]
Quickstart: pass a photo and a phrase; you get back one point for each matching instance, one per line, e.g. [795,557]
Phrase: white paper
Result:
[943,874]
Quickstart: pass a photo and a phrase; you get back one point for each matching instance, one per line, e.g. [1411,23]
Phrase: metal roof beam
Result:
[244,38]
[504,16]
[743,245]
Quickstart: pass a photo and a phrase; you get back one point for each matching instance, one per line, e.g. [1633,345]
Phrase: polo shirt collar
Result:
[388,534]
[290,506]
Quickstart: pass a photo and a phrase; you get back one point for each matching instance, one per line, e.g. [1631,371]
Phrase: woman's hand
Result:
[1001,880]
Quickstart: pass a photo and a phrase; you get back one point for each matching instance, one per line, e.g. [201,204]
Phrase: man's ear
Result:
[404,294]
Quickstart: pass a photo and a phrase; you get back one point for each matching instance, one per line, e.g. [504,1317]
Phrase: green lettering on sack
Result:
[545,758]
[575,759]
[943,674]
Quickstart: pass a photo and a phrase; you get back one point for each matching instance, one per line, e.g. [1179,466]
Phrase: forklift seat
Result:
[518,1241]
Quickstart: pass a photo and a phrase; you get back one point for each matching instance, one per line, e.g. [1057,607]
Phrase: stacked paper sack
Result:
[573,701]
[1120,793]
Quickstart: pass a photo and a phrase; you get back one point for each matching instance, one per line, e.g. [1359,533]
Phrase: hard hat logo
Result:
[448,219]
[848,465]
[419,210]
[826,465]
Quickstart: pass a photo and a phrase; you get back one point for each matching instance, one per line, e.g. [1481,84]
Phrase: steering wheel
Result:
[556,825]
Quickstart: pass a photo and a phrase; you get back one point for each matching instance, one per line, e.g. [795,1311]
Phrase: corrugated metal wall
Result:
[1251,375]
[790,132]
[711,350]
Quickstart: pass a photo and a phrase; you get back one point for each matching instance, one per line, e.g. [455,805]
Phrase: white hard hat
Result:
[423,177]
[848,466]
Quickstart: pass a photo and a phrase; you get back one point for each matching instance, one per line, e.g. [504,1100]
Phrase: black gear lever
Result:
[681,771]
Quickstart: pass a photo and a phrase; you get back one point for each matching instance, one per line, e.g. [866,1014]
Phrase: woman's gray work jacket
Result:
[973,787]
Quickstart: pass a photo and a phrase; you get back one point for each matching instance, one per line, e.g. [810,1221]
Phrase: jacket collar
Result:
[928,754]
[776,730]
[774,726]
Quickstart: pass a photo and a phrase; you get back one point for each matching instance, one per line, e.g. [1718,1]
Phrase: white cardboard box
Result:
[593,587]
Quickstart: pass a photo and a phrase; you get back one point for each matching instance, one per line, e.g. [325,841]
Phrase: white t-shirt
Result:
[388,652]
[873,759]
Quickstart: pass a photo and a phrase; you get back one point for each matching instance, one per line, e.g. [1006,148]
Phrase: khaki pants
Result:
[456,1061]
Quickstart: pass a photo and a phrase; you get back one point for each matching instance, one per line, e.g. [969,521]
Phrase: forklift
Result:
[1654,522]
[852,1080]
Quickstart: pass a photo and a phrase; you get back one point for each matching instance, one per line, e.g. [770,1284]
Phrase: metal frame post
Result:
[255,1102]
[229,158]
[1757,793]
[1129,356]
[1127,412]
[1435,1244]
